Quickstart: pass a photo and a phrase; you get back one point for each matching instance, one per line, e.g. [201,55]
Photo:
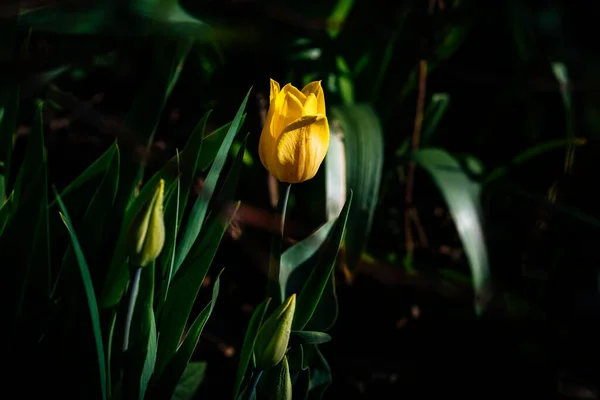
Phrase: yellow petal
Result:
[310,107]
[289,88]
[301,149]
[287,109]
[316,89]
[274,91]
[266,146]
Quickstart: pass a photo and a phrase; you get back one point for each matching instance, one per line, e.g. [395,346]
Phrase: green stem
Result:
[133,292]
[273,289]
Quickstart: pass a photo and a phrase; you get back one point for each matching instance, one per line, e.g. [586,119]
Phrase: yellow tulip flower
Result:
[295,138]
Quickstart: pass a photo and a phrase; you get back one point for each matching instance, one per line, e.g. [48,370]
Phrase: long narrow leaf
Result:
[248,346]
[165,385]
[89,292]
[196,218]
[185,288]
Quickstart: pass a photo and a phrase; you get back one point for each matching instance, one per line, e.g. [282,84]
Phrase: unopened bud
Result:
[146,235]
[273,337]
[279,383]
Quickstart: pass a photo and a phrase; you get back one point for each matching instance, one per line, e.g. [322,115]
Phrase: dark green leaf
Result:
[308,337]
[171,374]
[320,375]
[185,287]
[196,218]
[313,288]
[462,196]
[30,225]
[90,295]
[248,345]
[175,204]
[190,381]
[363,162]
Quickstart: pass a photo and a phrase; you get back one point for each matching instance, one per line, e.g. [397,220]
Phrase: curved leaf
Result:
[313,288]
[462,196]
[362,134]
[90,295]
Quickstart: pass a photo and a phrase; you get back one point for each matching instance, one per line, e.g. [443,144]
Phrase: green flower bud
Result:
[273,337]
[278,385]
[146,234]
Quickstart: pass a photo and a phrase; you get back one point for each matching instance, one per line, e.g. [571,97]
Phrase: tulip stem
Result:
[284,201]
[273,288]
[253,384]
[133,292]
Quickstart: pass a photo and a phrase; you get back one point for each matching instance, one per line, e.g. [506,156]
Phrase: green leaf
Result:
[89,292]
[196,218]
[168,378]
[227,192]
[326,312]
[338,17]
[185,287]
[462,196]
[298,260]
[168,17]
[248,346]
[95,217]
[313,288]
[150,361]
[190,381]
[320,375]
[212,143]
[175,204]
[308,337]
[363,145]
[25,242]
[99,166]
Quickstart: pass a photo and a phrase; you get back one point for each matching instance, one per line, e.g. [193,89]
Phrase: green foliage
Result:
[156,363]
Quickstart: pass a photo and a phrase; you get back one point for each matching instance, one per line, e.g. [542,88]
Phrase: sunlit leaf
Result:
[462,196]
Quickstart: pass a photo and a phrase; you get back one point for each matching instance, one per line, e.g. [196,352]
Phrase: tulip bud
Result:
[273,337]
[146,235]
[295,138]
[278,385]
